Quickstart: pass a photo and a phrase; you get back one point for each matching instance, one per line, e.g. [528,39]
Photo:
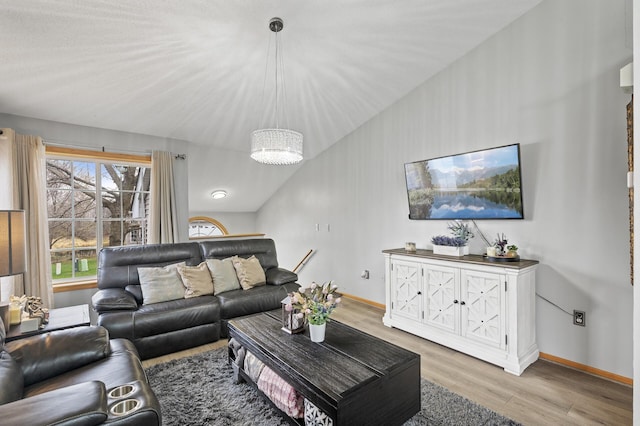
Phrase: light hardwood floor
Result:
[545,394]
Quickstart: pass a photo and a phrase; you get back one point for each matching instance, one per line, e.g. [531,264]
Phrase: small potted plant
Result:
[449,246]
[500,244]
[461,230]
[512,251]
[503,250]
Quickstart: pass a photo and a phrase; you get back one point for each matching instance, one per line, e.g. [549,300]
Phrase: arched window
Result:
[205,227]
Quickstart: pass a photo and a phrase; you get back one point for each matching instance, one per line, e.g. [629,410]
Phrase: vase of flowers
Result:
[316,302]
[317,332]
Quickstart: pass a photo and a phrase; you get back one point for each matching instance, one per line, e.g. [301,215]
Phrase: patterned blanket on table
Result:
[283,395]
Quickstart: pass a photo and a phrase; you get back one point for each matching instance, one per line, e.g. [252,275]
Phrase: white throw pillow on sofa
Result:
[161,284]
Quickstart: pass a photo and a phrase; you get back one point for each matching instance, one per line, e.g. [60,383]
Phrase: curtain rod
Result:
[62,143]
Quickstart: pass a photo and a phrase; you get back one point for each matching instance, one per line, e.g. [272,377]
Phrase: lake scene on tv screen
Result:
[475,185]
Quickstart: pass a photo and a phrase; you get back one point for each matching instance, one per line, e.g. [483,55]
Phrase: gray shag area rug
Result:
[198,390]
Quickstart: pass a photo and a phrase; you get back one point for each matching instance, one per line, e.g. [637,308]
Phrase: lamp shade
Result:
[276,146]
[12,242]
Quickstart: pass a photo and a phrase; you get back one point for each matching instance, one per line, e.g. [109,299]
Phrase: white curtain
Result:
[30,195]
[163,217]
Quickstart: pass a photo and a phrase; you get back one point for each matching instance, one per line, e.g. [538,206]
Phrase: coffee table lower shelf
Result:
[240,376]
[352,377]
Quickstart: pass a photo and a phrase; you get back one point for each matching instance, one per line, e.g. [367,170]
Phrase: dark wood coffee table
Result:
[355,378]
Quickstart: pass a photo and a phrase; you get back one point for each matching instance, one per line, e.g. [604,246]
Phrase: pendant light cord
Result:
[276,73]
[280,89]
[284,86]
[262,105]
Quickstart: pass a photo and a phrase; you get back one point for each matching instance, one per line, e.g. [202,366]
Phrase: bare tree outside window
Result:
[93,204]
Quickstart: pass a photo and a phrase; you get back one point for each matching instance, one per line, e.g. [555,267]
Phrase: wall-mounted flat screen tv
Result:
[483,184]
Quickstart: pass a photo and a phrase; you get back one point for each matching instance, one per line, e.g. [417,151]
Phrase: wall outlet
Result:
[579,318]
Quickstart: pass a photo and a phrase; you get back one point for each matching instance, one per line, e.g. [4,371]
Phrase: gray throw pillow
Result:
[160,284]
[223,274]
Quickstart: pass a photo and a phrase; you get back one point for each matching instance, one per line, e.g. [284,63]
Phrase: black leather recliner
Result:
[66,377]
[166,327]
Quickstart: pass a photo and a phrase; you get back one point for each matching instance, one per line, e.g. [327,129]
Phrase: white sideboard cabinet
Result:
[483,308]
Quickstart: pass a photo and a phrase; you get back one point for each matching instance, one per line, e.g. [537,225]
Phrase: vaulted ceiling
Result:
[194,70]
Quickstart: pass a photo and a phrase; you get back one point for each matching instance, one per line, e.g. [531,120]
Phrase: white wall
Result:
[548,81]
[114,141]
[73,298]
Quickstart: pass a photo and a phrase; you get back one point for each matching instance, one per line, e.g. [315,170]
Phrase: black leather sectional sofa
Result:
[165,327]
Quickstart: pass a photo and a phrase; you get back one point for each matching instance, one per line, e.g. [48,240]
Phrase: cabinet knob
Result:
[455,300]
[462,303]
[419,292]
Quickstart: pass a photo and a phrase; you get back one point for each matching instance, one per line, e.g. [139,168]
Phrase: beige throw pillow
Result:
[160,284]
[249,272]
[196,279]
[223,274]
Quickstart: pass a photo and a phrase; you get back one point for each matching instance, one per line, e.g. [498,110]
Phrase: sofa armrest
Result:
[11,381]
[113,299]
[279,276]
[46,355]
[84,404]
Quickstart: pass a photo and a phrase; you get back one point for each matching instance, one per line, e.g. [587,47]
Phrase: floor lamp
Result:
[12,251]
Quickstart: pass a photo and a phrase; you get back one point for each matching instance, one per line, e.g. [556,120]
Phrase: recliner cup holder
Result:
[121,391]
[124,407]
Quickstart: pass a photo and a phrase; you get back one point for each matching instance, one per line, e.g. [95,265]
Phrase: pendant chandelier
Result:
[277,146]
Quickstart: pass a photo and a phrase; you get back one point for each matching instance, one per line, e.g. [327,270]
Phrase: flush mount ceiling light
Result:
[219,193]
[275,145]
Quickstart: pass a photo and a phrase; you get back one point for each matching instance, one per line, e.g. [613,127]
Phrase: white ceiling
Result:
[194,70]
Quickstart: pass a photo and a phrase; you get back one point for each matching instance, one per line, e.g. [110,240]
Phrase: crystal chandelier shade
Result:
[280,147]
[276,146]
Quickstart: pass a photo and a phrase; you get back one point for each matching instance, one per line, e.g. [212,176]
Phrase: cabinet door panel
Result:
[483,315]
[441,286]
[406,294]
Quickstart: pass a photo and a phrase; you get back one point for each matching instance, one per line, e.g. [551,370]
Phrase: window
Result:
[93,201]
[205,227]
